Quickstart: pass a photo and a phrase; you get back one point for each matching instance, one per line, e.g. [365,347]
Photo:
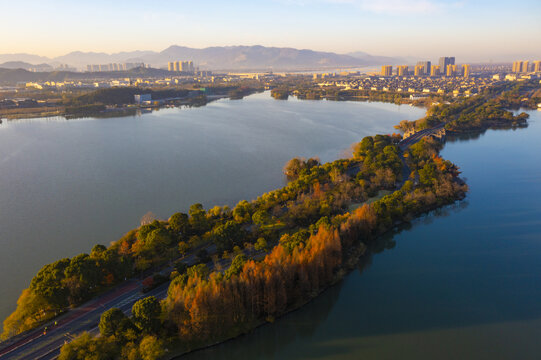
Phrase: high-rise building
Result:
[403,70]
[435,70]
[418,70]
[451,70]
[171,66]
[387,70]
[537,66]
[175,66]
[525,66]
[426,67]
[444,61]
[517,66]
[466,70]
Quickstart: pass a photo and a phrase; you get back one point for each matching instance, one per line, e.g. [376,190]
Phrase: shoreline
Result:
[350,261]
[354,258]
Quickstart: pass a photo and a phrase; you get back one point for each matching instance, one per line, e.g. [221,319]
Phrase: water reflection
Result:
[303,325]
[474,135]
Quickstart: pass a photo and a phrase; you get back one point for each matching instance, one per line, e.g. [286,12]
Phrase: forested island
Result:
[262,258]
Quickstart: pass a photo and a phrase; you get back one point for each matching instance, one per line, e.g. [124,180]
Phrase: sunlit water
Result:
[461,283]
[67,185]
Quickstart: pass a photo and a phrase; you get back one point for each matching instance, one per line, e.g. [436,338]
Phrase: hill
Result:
[236,58]
[253,58]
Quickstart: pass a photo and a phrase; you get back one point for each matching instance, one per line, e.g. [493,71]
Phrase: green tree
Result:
[242,212]
[198,218]
[260,217]
[227,235]
[183,248]
[82,276]
[180,224]
[200,270]
[48,284]
[113,322]
[146,314]
[236,266]
[261,244]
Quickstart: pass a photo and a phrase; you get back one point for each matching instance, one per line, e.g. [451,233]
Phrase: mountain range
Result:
[236,58]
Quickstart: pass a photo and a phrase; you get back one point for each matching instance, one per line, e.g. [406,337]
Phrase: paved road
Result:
[407,142]
[36,344]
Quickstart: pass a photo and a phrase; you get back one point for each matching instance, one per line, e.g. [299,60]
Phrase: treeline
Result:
[204,307]
[121,96]
[65,283]
[75,110]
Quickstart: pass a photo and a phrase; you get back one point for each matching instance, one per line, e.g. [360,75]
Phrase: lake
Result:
[463,282]
[66,185]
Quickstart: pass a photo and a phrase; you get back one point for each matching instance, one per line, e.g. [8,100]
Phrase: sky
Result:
[473,30]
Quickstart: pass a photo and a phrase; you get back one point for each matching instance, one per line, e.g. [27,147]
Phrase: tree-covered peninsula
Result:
[252,263]
[280,250]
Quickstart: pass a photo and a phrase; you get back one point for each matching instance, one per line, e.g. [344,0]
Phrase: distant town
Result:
[424,81]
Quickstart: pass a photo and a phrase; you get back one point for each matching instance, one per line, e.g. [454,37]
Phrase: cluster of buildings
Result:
[525,66]
[186,67]
[417,87]
[201,77]
[113,67]
[446,67]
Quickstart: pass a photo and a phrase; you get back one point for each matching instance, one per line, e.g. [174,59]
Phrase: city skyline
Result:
[424,29]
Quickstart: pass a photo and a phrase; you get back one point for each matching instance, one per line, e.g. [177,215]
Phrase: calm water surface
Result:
[67,185]
[461,283]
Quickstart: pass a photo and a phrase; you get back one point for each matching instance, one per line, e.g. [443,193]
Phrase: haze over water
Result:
[68,185]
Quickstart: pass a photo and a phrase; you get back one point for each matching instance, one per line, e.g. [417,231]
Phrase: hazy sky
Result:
[469,29]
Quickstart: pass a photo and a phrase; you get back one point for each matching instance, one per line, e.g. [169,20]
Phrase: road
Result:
[37,345]
[407,142]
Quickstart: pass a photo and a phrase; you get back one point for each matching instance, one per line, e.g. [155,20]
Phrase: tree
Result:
[236,266]
[261,244]
[227,235]
[294,167]
[200,270]
[183,248]
[146,314]
[151,348]
[87,347]
[260,217]
[242,212]
[113,322]
[48,284]
[180,224]
[82,275]
[198,218]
